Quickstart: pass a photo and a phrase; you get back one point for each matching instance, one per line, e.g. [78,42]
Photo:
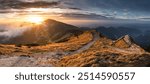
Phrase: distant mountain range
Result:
[140,37]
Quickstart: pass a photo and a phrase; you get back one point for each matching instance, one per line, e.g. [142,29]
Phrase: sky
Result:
[78,11]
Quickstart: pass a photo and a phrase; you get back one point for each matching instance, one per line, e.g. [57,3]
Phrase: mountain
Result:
[124,42]
[117,32]
[148,48]
[107,53]
[69,46]
[49,31]
[127,43]
[140,37]
[144,39]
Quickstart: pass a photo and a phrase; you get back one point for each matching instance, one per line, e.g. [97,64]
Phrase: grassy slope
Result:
[72,44]
[103,54]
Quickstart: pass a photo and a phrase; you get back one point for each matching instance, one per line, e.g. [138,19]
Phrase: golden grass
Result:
[72,44]
[121,44]
[103,54]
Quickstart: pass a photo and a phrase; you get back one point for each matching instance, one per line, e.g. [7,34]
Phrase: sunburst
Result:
[34,19]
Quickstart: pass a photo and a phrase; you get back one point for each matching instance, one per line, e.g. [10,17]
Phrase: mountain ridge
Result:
[103,54]
[49,31]
[81,48]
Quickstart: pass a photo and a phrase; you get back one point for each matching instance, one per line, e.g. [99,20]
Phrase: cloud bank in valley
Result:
[10,31]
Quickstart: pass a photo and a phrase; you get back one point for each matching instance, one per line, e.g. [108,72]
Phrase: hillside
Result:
[105,53]
[56,44]
[148,48]
[47,32]
[140,36]
[42,55]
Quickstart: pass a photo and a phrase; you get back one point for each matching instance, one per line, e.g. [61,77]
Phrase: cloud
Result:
[146,18]
[10,31]
[17,4]
[132,5]
[96,9]
[91,16]
[74,8]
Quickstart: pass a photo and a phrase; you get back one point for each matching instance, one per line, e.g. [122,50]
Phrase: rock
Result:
[124,42]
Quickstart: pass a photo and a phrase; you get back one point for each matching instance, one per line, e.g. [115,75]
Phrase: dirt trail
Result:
[40,59]
[87,46]
[16,61]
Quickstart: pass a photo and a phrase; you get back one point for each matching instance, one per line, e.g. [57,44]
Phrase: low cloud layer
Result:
[7,31]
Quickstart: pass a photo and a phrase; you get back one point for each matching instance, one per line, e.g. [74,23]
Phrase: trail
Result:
[41,59]
[87,46]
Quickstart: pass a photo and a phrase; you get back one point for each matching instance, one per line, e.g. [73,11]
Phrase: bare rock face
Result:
[127,43]
[124,42]
[128,39]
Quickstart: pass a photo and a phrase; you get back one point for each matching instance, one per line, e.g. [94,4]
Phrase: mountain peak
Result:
[49,31]
[124,42]
[55,23]
[128,39]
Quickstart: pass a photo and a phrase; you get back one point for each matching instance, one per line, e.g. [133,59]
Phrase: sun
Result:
[34,19]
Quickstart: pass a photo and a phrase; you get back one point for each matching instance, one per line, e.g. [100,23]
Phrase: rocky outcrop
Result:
[124,42]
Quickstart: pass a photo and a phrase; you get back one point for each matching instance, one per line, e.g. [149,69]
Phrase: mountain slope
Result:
[68,46]
[117,32]
[141,37]
[89,49]
[105,54]
[43,55]
[49,31]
